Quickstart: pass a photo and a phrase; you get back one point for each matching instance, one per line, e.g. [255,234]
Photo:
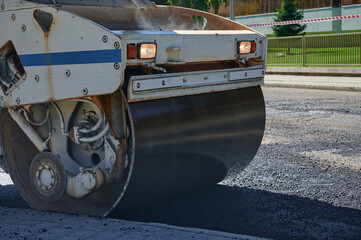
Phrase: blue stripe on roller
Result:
[70,58]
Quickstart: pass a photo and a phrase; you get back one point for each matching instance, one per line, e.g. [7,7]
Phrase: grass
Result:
[300,65]
[315,56]
[324,50]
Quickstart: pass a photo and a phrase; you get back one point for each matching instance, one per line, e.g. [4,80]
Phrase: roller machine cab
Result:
[111,105]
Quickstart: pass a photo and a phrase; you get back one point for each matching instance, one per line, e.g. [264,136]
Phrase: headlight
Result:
[245,47]
[147,50]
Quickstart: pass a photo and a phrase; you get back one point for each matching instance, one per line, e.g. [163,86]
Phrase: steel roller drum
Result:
[189,142]
[180,144]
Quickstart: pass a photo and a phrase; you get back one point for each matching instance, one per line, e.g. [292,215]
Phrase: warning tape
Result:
[315,20]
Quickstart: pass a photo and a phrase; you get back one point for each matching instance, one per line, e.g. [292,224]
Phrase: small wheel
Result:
[47,177]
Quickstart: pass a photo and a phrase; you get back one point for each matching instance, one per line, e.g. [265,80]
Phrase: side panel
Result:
[74,58]
[10,5]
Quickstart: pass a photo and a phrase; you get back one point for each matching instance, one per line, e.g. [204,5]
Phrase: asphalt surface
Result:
[304,182]
[24,224]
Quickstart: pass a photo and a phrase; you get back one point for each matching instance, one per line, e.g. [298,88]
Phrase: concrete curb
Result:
[334,83]
[305,86]
[315,71]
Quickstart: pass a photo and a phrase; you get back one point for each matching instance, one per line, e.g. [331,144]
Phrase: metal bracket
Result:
[28,130]
[87,181]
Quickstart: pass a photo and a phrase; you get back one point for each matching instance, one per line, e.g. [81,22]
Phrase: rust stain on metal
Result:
[45,21]
[117,170]
[112,105]
[255,62]
[106,105]
[8,101]
[97,101]
[48,66]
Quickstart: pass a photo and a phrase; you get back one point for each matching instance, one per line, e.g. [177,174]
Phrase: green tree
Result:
[203,5]
[288,12]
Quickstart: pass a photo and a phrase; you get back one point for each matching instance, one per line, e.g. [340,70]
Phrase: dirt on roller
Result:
[304,182]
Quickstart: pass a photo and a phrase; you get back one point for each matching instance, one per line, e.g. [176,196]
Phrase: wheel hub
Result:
[47,177]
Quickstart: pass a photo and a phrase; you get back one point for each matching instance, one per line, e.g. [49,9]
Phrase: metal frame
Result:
[148,87]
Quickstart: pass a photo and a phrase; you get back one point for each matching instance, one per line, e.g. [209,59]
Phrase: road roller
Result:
[107,106]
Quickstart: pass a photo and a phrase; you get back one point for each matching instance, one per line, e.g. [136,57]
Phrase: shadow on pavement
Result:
[11,198]
[257,213]
[241,210]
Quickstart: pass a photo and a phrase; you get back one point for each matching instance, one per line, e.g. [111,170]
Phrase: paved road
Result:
[30,224]
[303,184]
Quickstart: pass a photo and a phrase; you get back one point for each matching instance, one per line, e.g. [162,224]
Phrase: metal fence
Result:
[333,49]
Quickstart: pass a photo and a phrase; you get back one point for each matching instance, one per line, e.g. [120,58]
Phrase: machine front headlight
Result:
[147,50]
[245,47]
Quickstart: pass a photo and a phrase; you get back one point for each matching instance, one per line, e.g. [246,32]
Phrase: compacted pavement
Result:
[30,224]
[304,182]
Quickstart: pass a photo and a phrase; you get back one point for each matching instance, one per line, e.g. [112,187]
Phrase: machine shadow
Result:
[255,212]
[241,210]
[11,198]
[168,175]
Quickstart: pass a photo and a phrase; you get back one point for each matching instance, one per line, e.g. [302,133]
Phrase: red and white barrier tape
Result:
[315,20]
